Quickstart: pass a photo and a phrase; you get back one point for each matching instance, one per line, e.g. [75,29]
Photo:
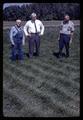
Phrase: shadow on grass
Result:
[56,54]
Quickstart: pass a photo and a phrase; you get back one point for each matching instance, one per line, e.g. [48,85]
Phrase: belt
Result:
[64,34]
[34,33]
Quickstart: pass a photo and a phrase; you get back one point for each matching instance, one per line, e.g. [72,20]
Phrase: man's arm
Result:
[11,35]
[25,29]
[71,36]
[42,29]
[61,25]
[72,32]
[23,40]
[59,37]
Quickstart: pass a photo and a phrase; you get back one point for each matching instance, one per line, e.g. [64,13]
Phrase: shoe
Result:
[66,56]
[56,54]
[59,56]
[27,54]
[63,55]
[35,54]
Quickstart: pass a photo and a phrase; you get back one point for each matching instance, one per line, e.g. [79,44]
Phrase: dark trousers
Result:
[64,41]
[34,41]
[16,51]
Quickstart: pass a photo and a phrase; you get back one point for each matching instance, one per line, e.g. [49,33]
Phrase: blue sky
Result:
[9,4]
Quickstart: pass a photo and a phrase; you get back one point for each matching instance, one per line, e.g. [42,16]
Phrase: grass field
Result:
[43,86]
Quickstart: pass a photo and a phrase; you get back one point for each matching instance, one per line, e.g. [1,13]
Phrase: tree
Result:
[44,11]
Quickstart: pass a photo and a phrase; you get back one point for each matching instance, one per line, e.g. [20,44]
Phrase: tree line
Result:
[44,11]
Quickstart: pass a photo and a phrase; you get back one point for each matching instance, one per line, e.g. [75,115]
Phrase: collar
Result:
[65,22]
[33,21]
[17,26]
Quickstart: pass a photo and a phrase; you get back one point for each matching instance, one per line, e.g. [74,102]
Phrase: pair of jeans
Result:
[34,42]
[64,41]
[16,50]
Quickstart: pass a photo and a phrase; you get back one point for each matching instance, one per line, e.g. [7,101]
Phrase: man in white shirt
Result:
[66,33]
[33,29]
[17,39]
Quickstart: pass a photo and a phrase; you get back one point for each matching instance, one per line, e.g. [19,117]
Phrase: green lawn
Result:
[43,86]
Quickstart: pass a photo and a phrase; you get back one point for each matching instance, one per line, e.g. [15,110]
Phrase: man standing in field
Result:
[33,30]
[66,33]
[17,40]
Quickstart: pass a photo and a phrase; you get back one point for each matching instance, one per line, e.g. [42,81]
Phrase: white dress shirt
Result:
[67,28]
[30,27]
[14,31]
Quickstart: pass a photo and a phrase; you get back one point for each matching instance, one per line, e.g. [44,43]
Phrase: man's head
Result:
[66,17]
[18,22]
[33,16]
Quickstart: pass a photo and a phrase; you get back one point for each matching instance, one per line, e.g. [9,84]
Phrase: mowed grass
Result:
[43,86]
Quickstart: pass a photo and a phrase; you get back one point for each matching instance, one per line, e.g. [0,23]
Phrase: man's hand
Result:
[40,34]
[23,43]
[58,38]
[70,40]
[71,37]
[13,44]
[29,35]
